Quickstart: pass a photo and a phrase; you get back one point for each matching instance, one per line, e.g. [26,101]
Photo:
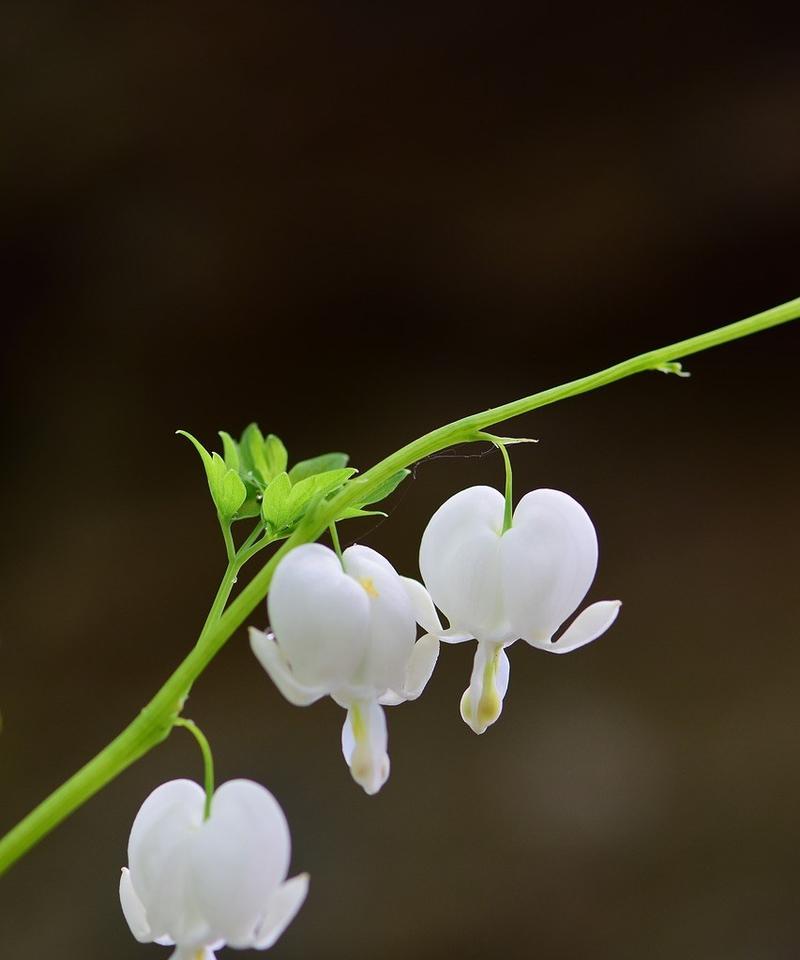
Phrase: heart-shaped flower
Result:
[347,629]
[200,884]
[497,587]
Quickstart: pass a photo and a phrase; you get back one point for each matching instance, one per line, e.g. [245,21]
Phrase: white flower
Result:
[348,629]
[202,884]
[499,587]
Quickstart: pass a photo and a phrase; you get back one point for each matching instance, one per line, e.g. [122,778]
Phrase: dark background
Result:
[353,222]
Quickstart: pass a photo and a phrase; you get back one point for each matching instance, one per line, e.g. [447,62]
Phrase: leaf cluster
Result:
[252,478]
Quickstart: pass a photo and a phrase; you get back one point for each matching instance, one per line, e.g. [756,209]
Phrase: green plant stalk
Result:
[156,720]
[208,760]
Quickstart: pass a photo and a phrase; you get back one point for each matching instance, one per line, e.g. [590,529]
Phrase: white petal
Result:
[459,558]
[320,617]
[455,636]
[482,702]
[193,953]
[424,610]
[391,699]
[364,743]
[133,909]
[392,626]
[239,859]
[420,666]
[282,909]
[587,626]
[271,658]
[159,860]
[549,558]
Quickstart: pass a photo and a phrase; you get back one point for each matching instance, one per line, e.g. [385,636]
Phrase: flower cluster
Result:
[205,872]
[346,628]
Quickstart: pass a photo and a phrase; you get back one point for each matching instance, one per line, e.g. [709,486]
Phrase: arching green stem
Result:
[208,760]
[157,718]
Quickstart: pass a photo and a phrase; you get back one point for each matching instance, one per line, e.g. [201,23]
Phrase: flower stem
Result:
[509,511]
[157,718]
[335,539]
[208,760]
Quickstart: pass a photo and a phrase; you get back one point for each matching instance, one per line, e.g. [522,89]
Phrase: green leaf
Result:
[205,456]
[320,464]
[275,502]
[252,503]
[388,486]
[231,495]
[231,450]
[275,456]
[316,485]
[351,513]
[251,453]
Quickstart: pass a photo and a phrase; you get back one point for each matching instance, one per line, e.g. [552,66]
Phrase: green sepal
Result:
[317,465]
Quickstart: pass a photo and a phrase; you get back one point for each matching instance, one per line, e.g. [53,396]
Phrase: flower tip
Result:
[489,709]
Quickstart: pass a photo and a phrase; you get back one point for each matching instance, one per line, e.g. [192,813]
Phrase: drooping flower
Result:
[201,884]
[348,629]
[497,587]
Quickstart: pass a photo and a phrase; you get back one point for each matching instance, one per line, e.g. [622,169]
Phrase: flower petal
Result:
[364,742]
[482,702]
[424,610]
[549,558]
[133,909]
[320,617]
[587,626]
[271,658]
[459,558]
[282,909]
[420,666]
[239,859]
[159,860]
[392,626]
[193,953]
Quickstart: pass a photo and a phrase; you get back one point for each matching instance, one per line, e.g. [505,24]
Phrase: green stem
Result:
[227,536]
[335,538]
[157,718]
[509,511]
[208,760]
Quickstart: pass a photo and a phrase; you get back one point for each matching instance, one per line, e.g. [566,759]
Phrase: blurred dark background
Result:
[353,222]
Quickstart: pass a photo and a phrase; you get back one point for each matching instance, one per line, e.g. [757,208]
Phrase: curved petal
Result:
[392,626]
[133,909]
[587,626]
[320,617]
[459,558]
[159,860]
[420,666]
[424,610]
[364,742]
[271,658]
[239,859]
[482,702]
[282,909]
[549,558]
